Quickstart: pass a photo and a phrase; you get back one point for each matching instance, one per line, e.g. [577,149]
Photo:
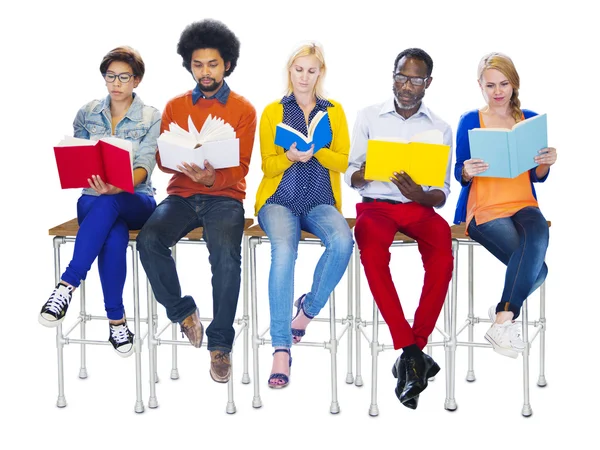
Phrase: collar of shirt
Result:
[322,103]
[390,107]
[134,112]
[222,94]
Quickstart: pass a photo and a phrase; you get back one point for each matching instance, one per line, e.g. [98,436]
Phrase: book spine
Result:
[513,155]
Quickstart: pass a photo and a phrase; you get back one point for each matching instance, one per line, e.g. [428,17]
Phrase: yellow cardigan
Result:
[275,163]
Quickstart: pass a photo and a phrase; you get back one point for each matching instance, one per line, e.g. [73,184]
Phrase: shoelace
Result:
[120,333]
[56,302]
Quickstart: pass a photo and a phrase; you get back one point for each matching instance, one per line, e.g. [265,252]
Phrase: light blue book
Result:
[509,152]
[319,133]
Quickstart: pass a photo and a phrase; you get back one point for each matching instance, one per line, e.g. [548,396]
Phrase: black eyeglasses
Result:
[415,81]
[123,77]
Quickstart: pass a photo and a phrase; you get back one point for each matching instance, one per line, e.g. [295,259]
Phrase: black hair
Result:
[209,33]
[416,53]
[127,55]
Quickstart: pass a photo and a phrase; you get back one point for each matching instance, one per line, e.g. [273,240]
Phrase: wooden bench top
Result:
[457,232]
[257,231]
[70,229]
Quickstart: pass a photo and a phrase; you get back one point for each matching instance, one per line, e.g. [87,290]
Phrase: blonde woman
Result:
[502,214]
[300,191]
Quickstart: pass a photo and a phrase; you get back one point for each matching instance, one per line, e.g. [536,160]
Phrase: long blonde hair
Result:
[504,64]
[311,48]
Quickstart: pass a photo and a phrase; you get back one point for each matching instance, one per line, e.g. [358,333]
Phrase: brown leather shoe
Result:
[220,366]
[193,329]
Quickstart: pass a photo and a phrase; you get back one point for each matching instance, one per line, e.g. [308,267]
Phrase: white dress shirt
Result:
[382,121]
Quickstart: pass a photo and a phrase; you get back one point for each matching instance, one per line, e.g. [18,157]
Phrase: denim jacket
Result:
[141,126]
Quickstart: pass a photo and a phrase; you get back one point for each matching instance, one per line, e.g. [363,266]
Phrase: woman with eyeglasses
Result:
[106,213]
[503,214]
[300,191]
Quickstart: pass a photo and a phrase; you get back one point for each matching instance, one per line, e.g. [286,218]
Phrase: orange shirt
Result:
[494,198]
[240,114]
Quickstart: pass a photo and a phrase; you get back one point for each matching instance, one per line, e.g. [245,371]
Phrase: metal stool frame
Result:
[400,240]
[66,233]
[459,238]
[255,236]
[155,339]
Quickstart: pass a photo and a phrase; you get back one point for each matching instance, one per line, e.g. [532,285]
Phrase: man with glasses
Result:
[402,205]
[209,198]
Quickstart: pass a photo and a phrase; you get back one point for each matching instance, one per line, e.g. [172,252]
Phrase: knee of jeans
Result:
[282,253]
[147,239]
[341,243]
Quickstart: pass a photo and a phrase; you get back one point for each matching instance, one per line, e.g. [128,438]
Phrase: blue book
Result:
[319,133]
[509,152]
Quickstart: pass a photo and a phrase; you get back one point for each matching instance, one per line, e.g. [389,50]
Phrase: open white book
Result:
[215,142]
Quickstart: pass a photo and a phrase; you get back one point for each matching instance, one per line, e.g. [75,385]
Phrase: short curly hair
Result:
[416,53]
[209,33]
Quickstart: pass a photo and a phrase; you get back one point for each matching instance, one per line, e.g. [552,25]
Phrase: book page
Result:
[313,124]
[70,141]
[215,129]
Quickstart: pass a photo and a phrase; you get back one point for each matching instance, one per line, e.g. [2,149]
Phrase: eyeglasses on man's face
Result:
[123,77]
[415,81]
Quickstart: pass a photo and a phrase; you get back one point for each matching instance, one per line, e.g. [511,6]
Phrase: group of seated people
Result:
[301,191]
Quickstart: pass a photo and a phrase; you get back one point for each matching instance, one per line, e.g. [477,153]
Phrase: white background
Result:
[50,57]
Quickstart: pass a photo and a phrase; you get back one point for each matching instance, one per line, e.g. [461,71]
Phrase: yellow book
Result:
[425,163]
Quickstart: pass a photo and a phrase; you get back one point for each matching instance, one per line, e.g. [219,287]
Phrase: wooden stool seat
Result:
[71,228]
[257,231]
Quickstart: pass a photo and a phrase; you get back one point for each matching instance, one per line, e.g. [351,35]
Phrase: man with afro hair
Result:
[210,198]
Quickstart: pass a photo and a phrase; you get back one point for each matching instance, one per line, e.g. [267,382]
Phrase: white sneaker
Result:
[492,313]
[506,338]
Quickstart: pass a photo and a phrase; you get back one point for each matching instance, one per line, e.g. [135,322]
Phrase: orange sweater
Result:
[240,114]
[493,198]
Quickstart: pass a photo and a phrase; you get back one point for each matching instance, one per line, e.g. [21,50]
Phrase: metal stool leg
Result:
[542,378]
[358,381]
[526,411]
[83,315]
[152,327]
[245,318]
[174,369]
[335,406]
[450,402]
[374,409]
[252,242]
[61,401]
[470,372]
[139,404]
[230,408]
[350,318]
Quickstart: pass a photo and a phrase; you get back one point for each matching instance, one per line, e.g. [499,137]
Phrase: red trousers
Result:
[376,225]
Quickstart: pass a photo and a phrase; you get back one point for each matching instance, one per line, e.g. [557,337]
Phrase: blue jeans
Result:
[520,242]
[283,229]
[223,222]
[104,224]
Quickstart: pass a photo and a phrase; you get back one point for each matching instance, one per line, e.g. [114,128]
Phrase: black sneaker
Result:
[121,339]
[54,310]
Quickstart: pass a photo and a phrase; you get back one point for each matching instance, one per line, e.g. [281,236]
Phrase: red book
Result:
[109,158]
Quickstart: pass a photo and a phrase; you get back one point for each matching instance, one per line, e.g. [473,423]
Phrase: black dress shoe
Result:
[417,372]
[399,368]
